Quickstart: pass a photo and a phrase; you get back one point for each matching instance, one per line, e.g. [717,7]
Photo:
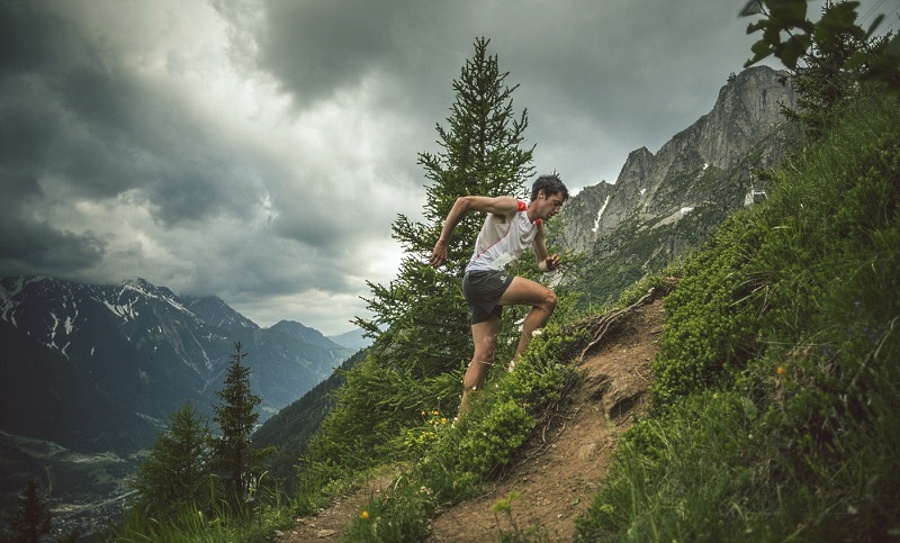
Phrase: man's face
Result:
[549,205]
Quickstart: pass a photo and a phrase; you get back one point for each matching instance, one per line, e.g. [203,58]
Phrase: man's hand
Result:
[439,254]
[551,263]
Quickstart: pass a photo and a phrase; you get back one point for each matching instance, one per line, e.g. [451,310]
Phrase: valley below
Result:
[84,492]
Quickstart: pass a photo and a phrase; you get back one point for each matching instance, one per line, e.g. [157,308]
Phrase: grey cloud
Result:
[28,247]
[610,62]
[316,48]
[31,37]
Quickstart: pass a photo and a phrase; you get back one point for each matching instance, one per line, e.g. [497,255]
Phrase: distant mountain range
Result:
[354,339]
[87,370]
[99,368]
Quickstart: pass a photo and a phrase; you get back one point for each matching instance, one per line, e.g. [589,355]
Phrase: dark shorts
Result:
[483,290]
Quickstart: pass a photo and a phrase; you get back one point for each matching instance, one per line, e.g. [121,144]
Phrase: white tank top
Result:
[501,243]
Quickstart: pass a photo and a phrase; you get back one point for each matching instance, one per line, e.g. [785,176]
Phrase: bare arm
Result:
[545,262]
[503,206]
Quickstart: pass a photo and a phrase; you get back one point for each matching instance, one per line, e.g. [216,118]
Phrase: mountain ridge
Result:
[746,115]
[98,369]
[664,204]
[134,335]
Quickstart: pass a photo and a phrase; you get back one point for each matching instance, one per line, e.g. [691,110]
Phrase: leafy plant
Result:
[836,43]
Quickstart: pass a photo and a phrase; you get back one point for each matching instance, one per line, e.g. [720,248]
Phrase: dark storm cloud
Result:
[631,73]
[71,109]
[260,149]
[316,48]
[29,247]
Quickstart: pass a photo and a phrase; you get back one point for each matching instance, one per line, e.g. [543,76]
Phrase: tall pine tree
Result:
[420,324]
[234,459]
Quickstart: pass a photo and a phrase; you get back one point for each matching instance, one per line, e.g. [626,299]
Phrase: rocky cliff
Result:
[707,164]
[665,203]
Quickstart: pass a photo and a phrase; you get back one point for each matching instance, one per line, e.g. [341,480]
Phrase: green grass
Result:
[776,410]
[213,521]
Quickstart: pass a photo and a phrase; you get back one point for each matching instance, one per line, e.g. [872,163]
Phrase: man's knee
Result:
[484,354]
[549,300]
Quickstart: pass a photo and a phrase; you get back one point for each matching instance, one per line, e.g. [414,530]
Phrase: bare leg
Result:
[542,301]
[484,336]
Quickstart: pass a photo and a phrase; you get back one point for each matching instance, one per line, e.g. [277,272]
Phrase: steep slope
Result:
[290,430]
[54,400]
[560,471]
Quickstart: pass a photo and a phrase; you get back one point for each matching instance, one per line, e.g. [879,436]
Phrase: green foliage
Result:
[835,45]
[826,83]
[232,456]
[291,429]
[696,474]
[776,402]
[176,472]
[199,487]
[398,516]
[492,440]
[195,524]
[543,373]
[712,327]
[447,460]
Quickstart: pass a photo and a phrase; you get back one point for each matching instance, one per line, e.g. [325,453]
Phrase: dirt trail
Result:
[564,469]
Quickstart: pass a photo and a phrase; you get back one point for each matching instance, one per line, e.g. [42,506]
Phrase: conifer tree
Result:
[232,456]
[420,324]
[420,321]
[828,79]
[176,472]
[31,519]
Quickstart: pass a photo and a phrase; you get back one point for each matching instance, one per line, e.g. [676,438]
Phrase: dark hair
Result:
[551,184]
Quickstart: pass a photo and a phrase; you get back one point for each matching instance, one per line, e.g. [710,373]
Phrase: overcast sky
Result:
[259,150]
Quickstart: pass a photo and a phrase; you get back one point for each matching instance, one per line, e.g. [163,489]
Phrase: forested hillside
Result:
[290,430]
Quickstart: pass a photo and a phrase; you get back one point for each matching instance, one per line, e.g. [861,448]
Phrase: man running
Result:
[510,227]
